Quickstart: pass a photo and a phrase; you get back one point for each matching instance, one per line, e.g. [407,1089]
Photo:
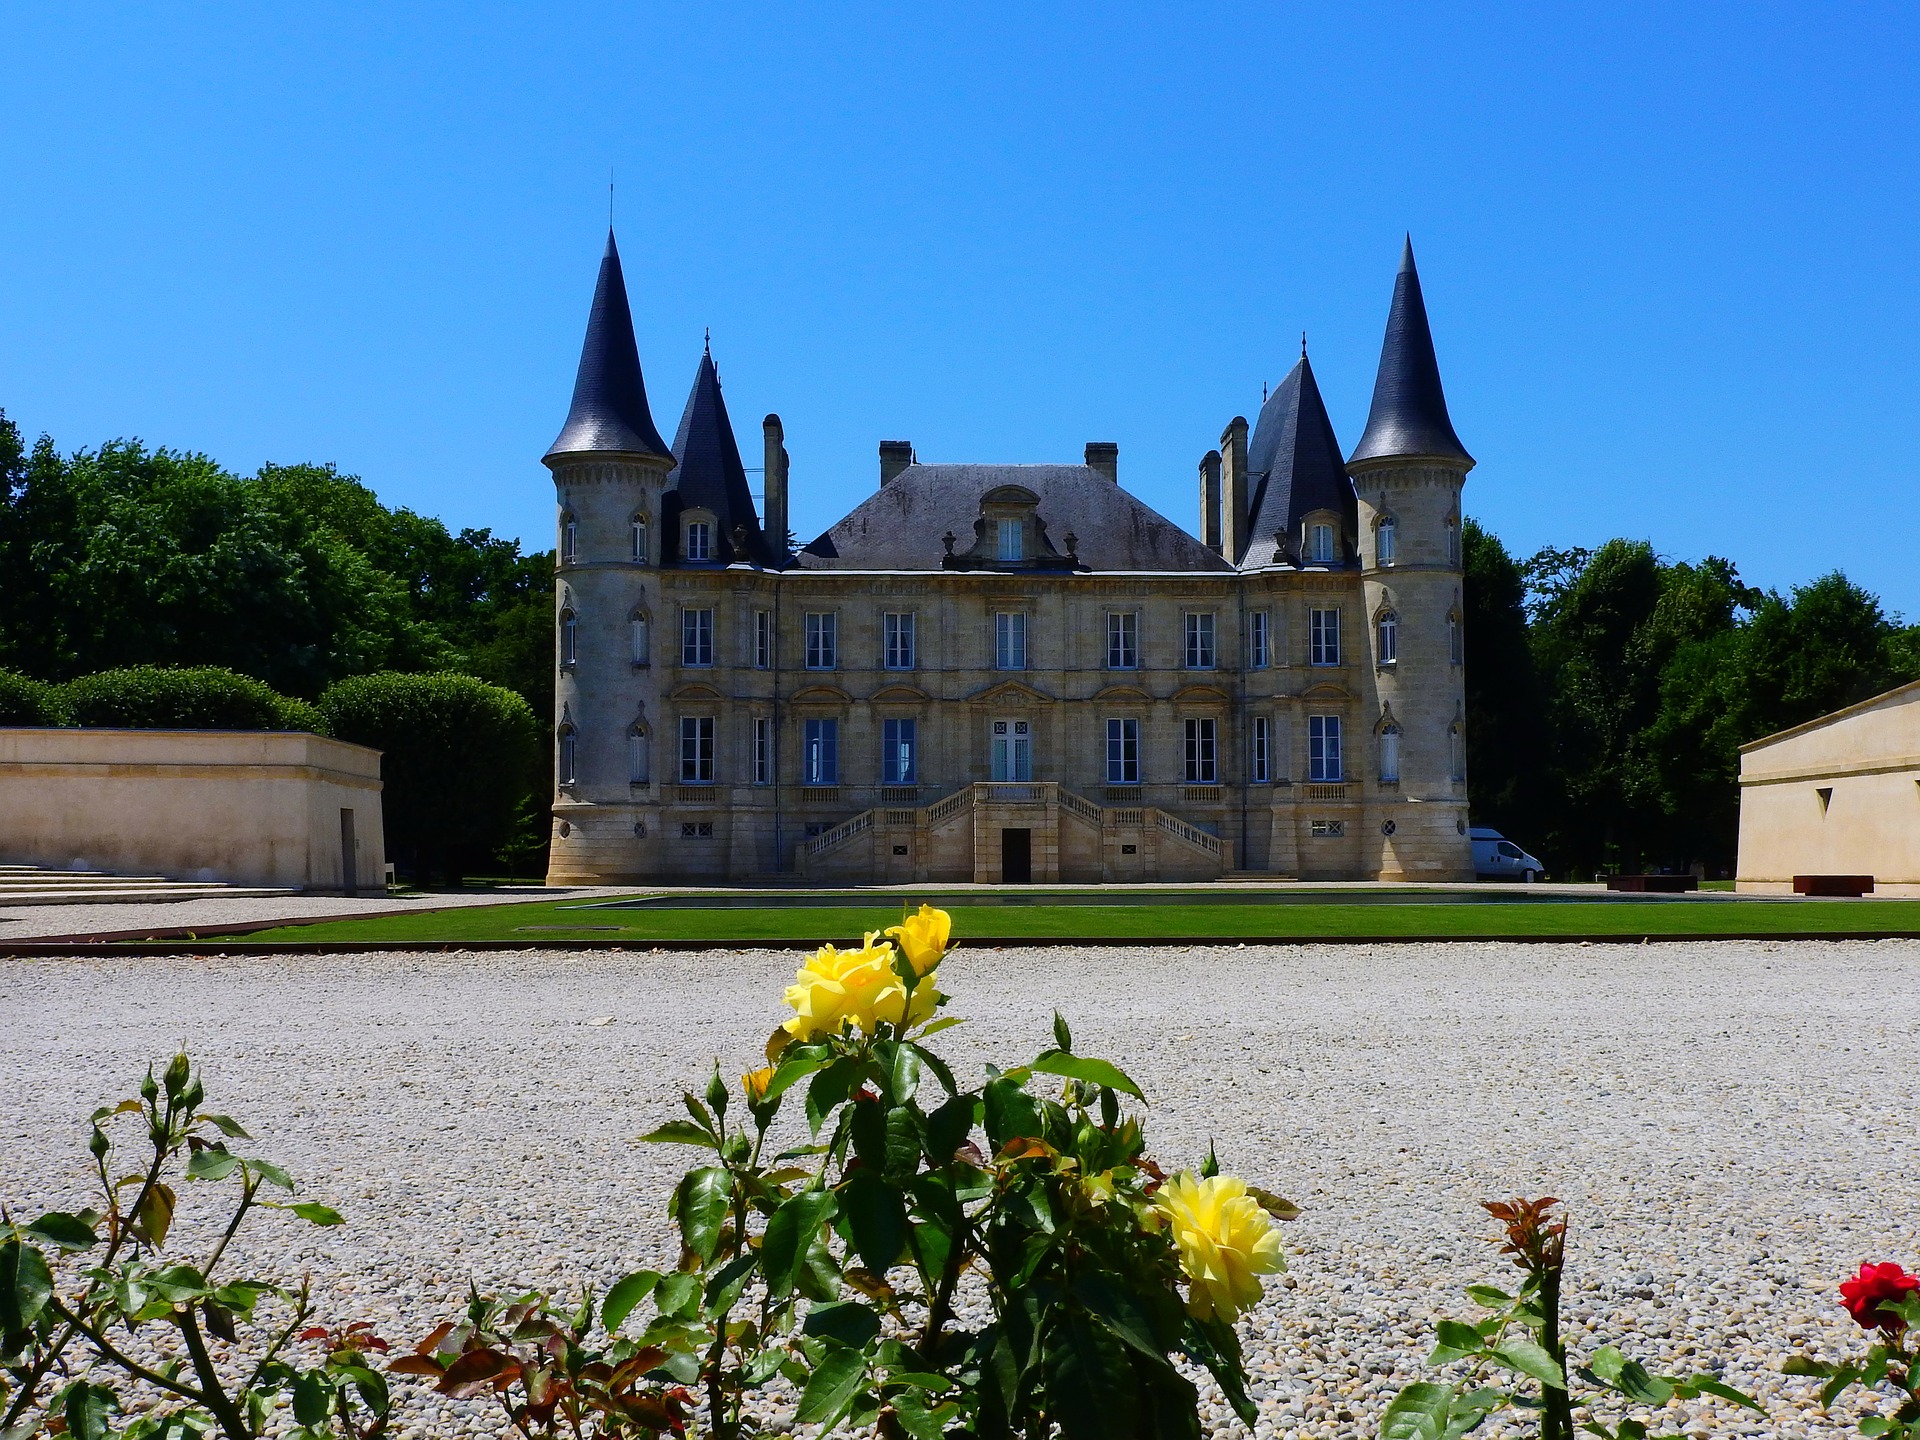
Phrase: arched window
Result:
[641,640]
[1453,541]
[569,640]
[1456,646]
[1383,540]
[639,528]
[1388,650]
[569,755]
[569,538]
[1456,753]
[1320,544]
[639,757]
[1390,755]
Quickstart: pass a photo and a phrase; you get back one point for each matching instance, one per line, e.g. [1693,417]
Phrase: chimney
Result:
[1103,458]
[895,456]
[1210,500]
[775,488]
[1233,488]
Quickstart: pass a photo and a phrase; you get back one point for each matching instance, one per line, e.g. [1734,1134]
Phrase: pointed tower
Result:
[609,469]
[709,484]
[1407,472]
[1298,479]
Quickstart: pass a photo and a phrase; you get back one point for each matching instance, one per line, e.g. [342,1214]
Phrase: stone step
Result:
[22,885]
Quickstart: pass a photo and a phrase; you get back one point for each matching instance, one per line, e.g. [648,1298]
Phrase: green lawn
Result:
[537,922]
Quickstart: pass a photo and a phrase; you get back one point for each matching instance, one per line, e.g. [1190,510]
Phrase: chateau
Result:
[1010,672]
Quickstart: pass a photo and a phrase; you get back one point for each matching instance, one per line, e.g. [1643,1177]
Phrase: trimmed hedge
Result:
[459,755]
[28,702]
[149,697]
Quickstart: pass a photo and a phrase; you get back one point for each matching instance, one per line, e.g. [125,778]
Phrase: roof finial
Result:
[609,197]
[1303,344]
[1263,392]
[709,341]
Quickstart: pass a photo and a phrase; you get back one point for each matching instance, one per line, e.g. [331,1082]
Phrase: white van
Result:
[1497,858]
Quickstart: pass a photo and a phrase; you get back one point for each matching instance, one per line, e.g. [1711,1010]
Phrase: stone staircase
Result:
[35,885]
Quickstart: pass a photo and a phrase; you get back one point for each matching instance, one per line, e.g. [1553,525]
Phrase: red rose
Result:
[1864,1294]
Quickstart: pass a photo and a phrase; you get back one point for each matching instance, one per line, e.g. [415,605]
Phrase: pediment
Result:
[821,695]
[1326,690]
[900,695]
[693,690]
[1011,692]
[1200,695]
[1122,695]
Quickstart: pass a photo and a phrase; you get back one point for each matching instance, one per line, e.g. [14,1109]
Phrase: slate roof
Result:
[1409,412]
[708,475]
[609,413]
[900,526]
[1293,468]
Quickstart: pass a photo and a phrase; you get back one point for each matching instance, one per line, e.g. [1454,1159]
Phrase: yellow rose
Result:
[1226,1242]
[840,988]
[922,938]
[755,1083]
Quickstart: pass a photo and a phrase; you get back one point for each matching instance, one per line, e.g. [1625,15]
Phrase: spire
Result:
[1294,463]
[707,472]
[609,411]
[1409,414]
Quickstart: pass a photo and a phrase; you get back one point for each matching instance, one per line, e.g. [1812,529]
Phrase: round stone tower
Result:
[610,468]
[1407,471]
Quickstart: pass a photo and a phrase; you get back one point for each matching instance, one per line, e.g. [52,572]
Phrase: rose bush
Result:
[1882,1298]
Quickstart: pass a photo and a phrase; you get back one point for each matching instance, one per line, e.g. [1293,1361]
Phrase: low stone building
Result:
[1010,672]
[245,807]
[1837,796]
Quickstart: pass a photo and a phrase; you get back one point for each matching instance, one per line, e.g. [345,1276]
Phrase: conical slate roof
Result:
[1293,468]
[707,473]
[1409,414]
[609,411]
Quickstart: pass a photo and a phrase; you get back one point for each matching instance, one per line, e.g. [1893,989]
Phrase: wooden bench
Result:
[1654,884]
[1852,887]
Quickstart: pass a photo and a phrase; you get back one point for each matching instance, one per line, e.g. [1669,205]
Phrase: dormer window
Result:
[699,540]
[1320,544]
[1013,541]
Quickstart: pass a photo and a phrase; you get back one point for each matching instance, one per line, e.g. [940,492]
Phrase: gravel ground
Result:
[1731,1123]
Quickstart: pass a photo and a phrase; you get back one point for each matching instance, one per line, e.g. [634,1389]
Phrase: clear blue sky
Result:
[1666,249]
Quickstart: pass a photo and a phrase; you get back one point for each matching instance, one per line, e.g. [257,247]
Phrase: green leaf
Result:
[945,1022]
[1087,1378]
[1843,1376]
[270,1172]
[920,1422]
[1530,1358]
[1490,1296]
[796,1064]
[678,1132]
[902,1153]
[1062,1036]
[25,1285]
[68,1232]
[876,1219]
[627,1292]
[850,1324]
[1010,1112]
[701,1204]
[948,1127]
[1419,1412]
[226,1125]
[1875,1425]
[819,1276]
[211,1164]
[933,1062]
[790,1231]
[1805,1365]
[833,1386]
[1087,1070]
[903,1075]
[1455,1340]
[1629,1377]
[177,1283]
[317,1214]
[1713,1385]
[87,1409]
[677,1292]
[312,1399]
[155,1216]
[727,1283]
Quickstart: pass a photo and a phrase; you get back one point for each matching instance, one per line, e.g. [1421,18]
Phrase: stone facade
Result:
[1004,672]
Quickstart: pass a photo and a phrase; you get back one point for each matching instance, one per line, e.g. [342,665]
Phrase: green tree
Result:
[150,697]
[457,756]
[1506,720]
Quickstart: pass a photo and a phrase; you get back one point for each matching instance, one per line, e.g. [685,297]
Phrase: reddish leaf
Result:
[416,1365]
[432,1342]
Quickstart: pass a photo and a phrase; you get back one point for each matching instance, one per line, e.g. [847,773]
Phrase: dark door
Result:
[1016,856]
[349,855]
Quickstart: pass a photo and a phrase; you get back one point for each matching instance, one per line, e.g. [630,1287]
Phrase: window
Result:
[1123,640]
[569,538]
[569,754]
[1455,646]
[820,757]
[1323,637]
[1012,751]
[1327,829]
[696,750]
[696,637]
[1453,541]
[1390,755]
[1202,753]
[763,639]
[1260,758]
[898,742]
[1009,641]
[642,643]
[1259,640]
[1323,750]
[1013,540]
[762,745]
[699,540]
[696,829]
[823,630]
[569,640]
[638,528]
[1123,752]
[897,628]
[1384,535]
[639,760]
[1456,754]
[1320,544]
[1389,648]
[1200,640]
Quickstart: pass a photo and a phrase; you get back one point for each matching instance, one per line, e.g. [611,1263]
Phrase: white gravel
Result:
[1731,1123]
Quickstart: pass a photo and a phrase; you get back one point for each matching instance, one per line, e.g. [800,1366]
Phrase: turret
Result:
[1407,471]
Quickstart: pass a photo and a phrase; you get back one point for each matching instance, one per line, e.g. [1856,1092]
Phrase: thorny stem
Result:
[216,1399]
[247,1190]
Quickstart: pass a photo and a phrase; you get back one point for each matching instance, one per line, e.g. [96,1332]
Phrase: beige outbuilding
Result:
[1836,796]
[242,806]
